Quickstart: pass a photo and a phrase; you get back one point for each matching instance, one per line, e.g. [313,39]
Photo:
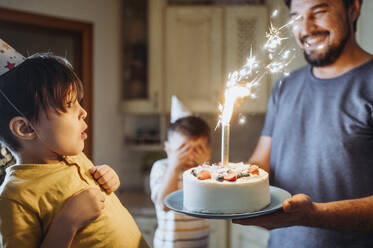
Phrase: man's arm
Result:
[261,153]
[299,210]
[347,215]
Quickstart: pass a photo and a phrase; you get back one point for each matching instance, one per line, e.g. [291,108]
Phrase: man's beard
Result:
[331,55]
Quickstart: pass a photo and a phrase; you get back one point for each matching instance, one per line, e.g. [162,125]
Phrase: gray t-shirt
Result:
[322,145]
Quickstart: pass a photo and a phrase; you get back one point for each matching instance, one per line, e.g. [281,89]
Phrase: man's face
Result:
[322,29]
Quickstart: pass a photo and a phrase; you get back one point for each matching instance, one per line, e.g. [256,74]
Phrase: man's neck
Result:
[352,57]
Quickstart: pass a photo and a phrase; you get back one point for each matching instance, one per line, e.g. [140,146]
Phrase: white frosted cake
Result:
[237,188]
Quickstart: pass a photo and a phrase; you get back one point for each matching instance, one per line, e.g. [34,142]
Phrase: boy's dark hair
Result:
[347,4]
[191,126]
[41,82]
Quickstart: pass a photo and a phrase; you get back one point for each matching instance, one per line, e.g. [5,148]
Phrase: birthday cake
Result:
[236,188]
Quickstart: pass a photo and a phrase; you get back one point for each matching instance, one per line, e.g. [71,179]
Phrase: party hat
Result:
[178,109]
[9,57]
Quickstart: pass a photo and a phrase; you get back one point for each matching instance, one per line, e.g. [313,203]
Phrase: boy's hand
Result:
[179,157]
[106,177]
[82,208]
[201,154]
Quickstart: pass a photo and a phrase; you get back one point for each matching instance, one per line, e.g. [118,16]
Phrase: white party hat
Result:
[9,57]
[178,109]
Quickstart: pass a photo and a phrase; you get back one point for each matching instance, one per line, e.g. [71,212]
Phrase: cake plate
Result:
[174,201]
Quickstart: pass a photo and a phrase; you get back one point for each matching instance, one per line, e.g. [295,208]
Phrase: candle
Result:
[225,144]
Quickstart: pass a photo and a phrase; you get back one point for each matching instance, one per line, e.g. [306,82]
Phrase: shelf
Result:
[146,148]
[139,106]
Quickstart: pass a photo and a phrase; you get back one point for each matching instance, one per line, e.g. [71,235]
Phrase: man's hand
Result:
[106,177]
[297,210]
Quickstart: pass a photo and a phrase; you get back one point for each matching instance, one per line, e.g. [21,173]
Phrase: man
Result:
[317,139]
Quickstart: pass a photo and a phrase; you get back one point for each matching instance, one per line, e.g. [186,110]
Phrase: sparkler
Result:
[242,83]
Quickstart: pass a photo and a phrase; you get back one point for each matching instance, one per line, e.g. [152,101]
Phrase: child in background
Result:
[53,196]
[188,146]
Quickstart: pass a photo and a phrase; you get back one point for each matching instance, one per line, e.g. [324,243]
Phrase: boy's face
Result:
[63,133]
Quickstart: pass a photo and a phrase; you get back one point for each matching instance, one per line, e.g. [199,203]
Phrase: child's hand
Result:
[201,154]
[106,177]
[179,157]
[82,208]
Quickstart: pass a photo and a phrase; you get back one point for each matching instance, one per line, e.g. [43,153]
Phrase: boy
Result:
[188,146]
[54,196]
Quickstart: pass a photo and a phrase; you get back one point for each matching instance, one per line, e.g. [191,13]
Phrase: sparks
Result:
[242,120]
[274,39]
[275,13]
[242,83]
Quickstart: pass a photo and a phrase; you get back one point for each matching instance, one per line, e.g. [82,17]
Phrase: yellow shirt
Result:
[32,195]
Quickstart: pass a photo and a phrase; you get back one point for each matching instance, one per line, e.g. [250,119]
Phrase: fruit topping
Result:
[253,169]
[205,165]
[194,173]
[245,174]
[232,176]
[204,174]
[220,178]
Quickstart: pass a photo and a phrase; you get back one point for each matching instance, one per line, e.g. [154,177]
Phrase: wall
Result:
[106,18]
[364,28]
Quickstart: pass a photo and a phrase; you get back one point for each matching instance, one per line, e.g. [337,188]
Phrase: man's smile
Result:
[315,40]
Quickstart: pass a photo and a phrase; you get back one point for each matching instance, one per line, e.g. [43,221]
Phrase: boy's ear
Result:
[21,128]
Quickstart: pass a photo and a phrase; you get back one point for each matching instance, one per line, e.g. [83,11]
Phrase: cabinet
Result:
[245,29]
[193,66]
[144,132]
[147,226]
[191,51]
[223,234]
[248,237]
[143,28]
[204,44]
